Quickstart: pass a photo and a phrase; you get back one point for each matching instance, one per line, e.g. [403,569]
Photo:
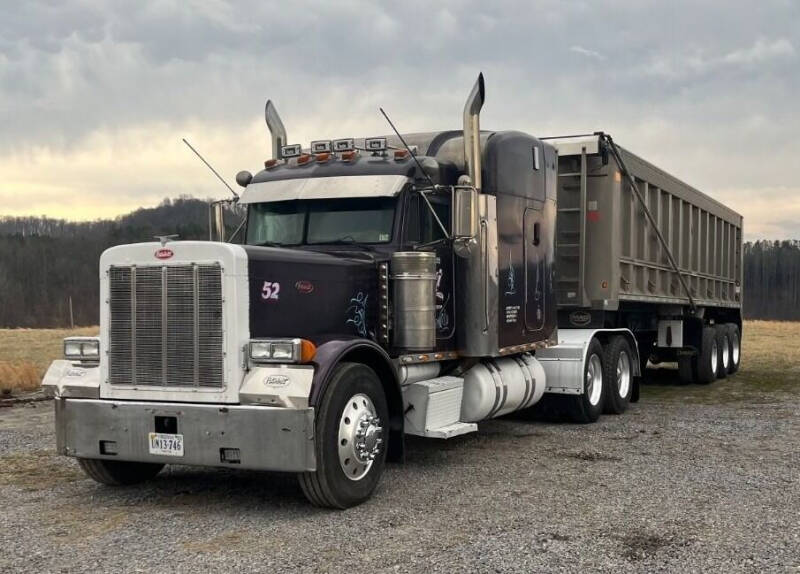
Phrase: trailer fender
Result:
[366,352]
[563,363]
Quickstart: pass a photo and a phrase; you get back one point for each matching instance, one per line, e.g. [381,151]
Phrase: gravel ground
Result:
[680,483]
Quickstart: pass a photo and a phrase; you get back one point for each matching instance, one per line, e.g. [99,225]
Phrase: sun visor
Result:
[325,188]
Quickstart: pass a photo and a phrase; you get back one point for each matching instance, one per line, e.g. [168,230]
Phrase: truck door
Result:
[421,228]
[535,268]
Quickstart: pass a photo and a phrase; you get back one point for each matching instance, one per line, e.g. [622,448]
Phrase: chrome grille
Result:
[166,325]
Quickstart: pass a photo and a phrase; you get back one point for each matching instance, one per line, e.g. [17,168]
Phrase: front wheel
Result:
[350,439]
[586,408]
[119,472]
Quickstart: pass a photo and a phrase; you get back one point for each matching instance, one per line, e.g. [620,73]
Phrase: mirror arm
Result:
[433,212]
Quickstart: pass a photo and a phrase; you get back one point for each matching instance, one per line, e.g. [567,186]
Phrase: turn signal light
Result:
[307,351]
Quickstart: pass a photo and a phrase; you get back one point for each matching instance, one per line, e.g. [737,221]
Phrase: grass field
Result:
[25,355]
[770,361]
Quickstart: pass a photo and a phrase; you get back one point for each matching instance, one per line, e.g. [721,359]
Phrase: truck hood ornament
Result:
[163,239]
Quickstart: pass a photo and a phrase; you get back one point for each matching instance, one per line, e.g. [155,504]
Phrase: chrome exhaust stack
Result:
[276,128]
[472,132]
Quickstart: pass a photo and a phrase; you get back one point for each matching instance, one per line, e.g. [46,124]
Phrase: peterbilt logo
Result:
[304,286]
[580,318]
[164,253]
[277,381]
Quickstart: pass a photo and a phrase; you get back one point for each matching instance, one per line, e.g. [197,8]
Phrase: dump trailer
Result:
[404,284]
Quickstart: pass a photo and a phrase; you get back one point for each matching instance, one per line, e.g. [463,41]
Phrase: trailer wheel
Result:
[350,439]
[708,357]
[687,368]
[586,408]
[618,375]
[119,472]
[724,353]
[735,340]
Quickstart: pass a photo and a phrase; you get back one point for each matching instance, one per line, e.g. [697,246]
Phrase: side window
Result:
[421,225]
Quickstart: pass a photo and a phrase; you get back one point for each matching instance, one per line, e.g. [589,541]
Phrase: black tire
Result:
[329,486]
[119,472]
[707,357]
[687,368]
[617,375]
[723,350]
[735,338]
[586,407]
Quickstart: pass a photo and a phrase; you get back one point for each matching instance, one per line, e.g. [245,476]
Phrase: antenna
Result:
[408,149]
[425,173]
[225,183]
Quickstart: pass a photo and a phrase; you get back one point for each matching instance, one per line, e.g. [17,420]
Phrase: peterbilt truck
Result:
[409,284]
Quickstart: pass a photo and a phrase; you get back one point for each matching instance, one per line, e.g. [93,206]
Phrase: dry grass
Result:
[21,376]
[25,355]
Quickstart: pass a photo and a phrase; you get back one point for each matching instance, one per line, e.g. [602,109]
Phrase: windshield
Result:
[316,221]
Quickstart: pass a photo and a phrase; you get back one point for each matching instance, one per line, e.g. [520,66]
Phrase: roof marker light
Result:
[321,146]
[288,151]
[270,163]
[375,144]
[349,155]
[400,154]
[304,159]
[323,157]
[347,144]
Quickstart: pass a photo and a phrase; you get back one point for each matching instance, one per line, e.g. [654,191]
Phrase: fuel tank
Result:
[495,387]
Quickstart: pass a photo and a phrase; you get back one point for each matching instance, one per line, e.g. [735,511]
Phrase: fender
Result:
[332,352]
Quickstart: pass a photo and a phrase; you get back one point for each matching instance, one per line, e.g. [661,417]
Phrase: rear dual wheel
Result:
[618,371]
[586,407]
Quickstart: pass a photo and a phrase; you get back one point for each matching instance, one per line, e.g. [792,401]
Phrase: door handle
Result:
[536,233]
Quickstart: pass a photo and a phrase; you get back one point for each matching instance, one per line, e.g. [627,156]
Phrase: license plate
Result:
[166,444]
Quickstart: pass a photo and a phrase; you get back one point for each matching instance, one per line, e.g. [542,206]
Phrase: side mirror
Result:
[465,219]
[465,213]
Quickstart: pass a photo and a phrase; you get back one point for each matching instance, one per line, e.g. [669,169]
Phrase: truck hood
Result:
[317,296]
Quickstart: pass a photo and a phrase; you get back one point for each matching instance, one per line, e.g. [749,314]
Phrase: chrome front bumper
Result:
[268,438]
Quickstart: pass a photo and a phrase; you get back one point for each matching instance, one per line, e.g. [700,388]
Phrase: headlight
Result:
[82,349]
[281,351]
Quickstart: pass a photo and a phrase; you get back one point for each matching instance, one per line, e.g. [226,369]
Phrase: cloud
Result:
[94,97]
[586,52]
[761,51]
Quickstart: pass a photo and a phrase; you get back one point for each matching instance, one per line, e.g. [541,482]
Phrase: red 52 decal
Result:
[270,290]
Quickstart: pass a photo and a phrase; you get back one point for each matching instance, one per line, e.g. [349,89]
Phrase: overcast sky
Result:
[95,96]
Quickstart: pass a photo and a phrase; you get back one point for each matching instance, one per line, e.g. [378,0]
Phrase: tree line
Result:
[46,262]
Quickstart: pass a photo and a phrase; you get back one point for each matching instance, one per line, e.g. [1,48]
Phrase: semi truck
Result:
[405,284]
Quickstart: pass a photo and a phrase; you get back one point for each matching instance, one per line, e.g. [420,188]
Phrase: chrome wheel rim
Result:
[726,352]
[623,374]
[735,347]
[360,437]
[594,380]
[714,357]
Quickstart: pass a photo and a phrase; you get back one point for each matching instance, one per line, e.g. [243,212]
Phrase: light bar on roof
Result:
[375,144]
[321,146]
[347,144]
[288,151]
